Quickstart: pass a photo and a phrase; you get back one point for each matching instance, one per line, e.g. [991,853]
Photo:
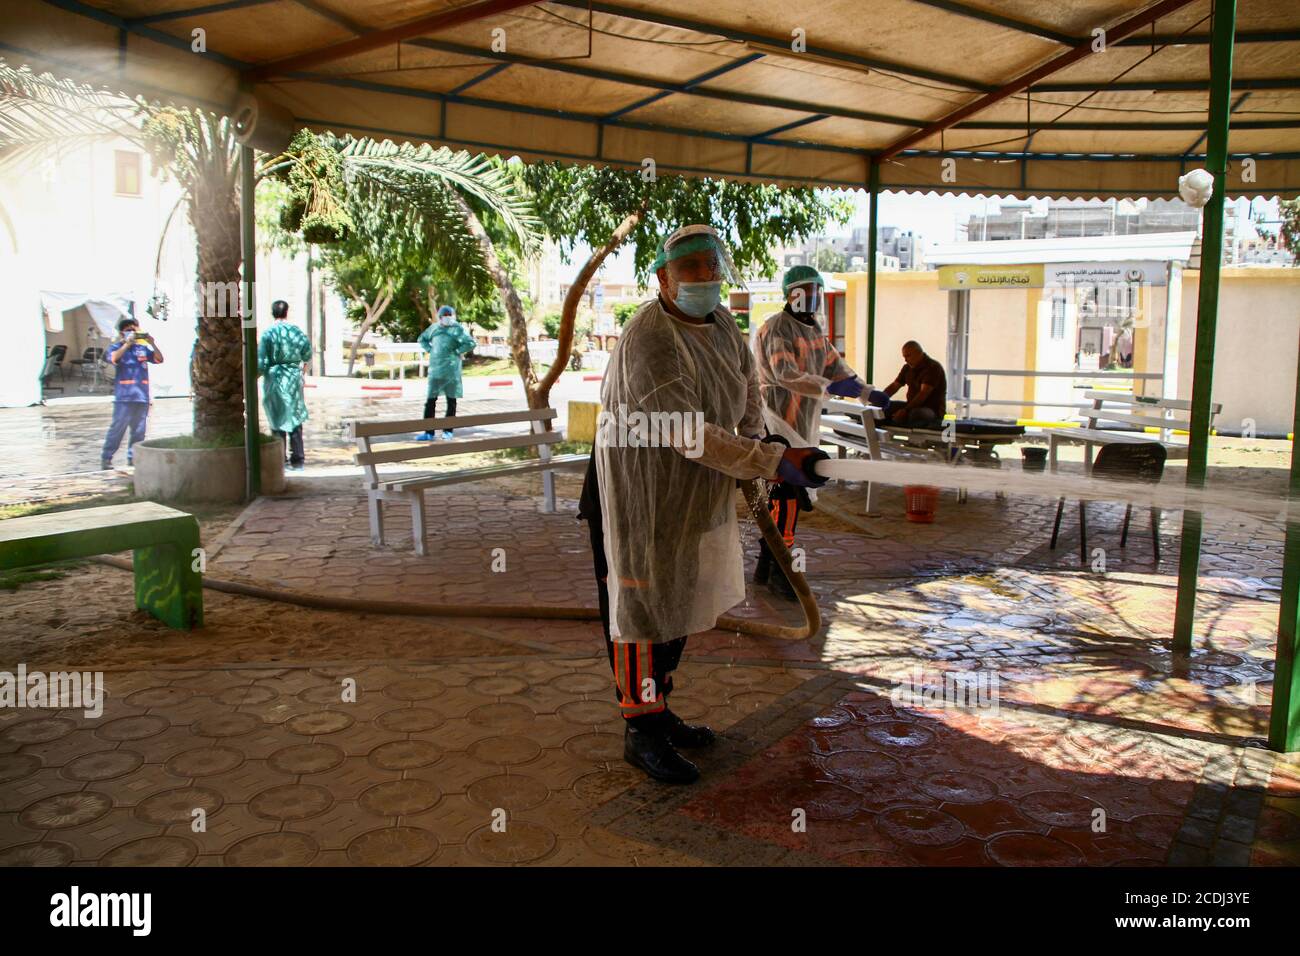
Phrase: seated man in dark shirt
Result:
[927,391]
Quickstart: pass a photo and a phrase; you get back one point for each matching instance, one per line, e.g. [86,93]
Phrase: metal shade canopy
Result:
[1086,98]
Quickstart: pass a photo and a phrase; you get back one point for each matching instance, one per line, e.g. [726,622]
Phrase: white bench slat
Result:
[838,406]
[1148,421]
[1147,401]
[1102,436]
[447,448]
[1144,402]
[845,441]
[853,428]
[372,428]
[1128,398]
[488,471]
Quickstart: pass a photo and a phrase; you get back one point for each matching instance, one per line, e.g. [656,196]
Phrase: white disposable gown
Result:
[795,364]
[671,537]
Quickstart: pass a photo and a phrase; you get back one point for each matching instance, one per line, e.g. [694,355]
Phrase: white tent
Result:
[28,341]
[105,308]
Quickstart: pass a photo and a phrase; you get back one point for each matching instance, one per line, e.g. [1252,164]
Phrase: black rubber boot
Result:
[653,753]
[764,567]
[780,585]
[688,736]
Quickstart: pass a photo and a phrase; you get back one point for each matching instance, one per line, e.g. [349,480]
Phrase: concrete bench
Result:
[1118,418]
[164,543]
[411,488]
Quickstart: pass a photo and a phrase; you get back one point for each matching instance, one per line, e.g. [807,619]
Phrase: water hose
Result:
[753,498]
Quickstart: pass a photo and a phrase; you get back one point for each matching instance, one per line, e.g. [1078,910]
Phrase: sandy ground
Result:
[87,617]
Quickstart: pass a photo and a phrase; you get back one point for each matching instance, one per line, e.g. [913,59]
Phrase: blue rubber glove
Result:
[797,467]
[846,387]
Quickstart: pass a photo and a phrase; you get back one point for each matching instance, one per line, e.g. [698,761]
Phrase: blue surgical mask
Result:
[446,319]
[698,299]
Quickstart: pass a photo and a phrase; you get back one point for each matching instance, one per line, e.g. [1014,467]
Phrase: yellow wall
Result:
[1255,353]
[909,305]
[1255,346]
[1003,335]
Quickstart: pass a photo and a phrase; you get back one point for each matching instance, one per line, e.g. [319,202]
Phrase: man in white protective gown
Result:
[681,422]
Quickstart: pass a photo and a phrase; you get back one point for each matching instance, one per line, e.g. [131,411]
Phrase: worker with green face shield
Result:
[447,342]
[797,368]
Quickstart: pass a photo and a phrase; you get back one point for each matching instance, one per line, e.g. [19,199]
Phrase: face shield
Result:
[698,238]
[805,299]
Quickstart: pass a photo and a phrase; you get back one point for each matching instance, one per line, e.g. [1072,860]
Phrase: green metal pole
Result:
[1284,719]
[873,242]
[1207,314]
[248,237]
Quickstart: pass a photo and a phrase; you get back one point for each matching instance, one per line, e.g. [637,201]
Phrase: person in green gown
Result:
[281,354]
[447,342]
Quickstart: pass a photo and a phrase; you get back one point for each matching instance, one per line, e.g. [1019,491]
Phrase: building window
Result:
[126,179]
[1058,317]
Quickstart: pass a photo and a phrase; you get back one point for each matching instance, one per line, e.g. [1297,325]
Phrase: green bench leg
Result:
[166,584]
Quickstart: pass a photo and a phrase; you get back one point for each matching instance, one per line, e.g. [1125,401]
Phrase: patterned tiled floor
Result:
[360,747]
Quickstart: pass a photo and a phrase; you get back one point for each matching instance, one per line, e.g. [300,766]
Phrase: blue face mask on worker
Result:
[446,320]
[698,299]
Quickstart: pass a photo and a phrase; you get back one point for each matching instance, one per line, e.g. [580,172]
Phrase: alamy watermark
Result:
[969,690]
[637,429]
[188,300]
[57,689]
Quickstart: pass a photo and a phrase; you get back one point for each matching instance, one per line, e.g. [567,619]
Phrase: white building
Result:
[80,246]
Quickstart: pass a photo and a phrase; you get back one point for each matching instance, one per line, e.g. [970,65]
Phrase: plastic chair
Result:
[90,358]
[1143,462]
[53,362]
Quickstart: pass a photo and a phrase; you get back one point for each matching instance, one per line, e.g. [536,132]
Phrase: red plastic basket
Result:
[922,502]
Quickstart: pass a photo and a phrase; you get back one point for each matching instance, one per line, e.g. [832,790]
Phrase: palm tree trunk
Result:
[510,299]
[216,364]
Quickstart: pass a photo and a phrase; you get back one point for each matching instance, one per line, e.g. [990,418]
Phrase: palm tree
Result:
[370,187]
[39,112]
[389,215]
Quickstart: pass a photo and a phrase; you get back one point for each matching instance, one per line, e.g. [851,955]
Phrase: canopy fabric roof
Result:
[717,89]
[105,308]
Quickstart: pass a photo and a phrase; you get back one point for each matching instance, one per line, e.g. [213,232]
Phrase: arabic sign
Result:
[1052,275]
[991,277]
[1104,273]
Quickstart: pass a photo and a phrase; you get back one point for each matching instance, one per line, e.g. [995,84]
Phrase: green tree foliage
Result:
[828,260]
[624,311]
[603,207]
[389,223]
[485,313]
[753,217]
[1291,226]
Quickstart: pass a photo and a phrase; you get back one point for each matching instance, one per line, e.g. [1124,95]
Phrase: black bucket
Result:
[1033,459]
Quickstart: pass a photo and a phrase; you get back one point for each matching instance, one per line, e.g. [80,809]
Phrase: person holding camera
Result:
[131,353]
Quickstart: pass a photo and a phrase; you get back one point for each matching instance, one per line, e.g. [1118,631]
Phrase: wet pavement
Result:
[65,436]
[1081,739]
